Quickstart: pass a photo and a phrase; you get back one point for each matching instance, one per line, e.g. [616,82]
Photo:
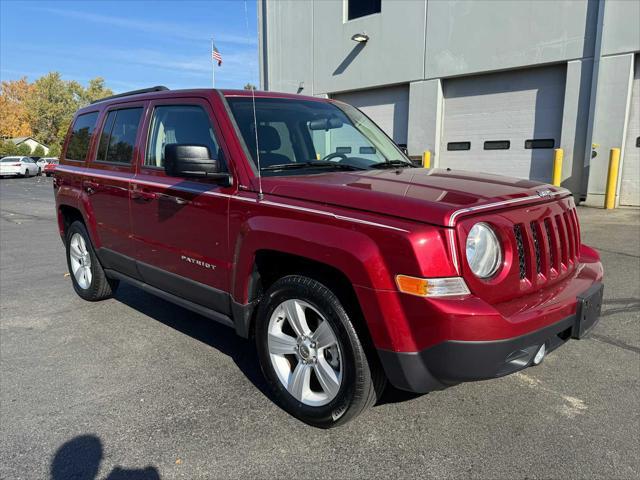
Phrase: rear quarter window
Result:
[80,138]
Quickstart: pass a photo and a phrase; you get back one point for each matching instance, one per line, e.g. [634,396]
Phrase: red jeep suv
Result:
[300,224]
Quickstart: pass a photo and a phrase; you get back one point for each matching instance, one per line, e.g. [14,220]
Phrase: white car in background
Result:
[18,167]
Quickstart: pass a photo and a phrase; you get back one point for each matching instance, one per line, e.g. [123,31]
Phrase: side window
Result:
[118,137]
[179,124]
[83,127]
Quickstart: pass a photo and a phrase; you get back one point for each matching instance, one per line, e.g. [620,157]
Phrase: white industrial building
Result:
[488,85]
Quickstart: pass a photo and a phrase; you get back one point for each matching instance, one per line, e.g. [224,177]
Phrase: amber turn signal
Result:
[412,285]
[432,287]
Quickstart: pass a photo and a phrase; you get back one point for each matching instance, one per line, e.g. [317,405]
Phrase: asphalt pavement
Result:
[135,387]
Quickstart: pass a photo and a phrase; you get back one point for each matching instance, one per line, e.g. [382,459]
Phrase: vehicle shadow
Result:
[80,457]
[205,330]
[220,337]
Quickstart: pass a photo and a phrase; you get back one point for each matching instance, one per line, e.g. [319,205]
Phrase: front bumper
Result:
[453,361]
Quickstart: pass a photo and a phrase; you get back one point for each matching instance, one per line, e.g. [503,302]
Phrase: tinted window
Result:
[118,137]
[360,8]
[104,136]
[497,145]
[179,124]
[540,143]
[458,146]
[83,127]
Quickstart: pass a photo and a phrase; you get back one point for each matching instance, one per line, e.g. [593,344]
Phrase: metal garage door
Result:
[388,107]
[630,184]
[506,123]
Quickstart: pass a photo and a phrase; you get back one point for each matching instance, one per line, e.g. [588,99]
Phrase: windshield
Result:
[299,137]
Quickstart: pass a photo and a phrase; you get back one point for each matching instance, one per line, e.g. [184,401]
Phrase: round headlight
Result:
[484,253]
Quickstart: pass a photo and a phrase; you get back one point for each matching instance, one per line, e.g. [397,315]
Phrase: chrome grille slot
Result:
[562,234]
[536,246]
[517,231]
[552,244]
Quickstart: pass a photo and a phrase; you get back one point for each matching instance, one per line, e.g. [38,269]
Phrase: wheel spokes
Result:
[299,381]
[323,336]
[327,377]
[75,250]
[294,312]
[282,344]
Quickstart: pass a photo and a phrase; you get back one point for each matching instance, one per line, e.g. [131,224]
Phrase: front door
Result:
[180,225]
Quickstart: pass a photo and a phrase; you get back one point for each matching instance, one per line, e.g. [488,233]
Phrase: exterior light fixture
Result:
[360,37]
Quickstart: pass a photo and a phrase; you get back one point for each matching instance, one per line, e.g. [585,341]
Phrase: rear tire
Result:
[86,272]
[26,173]
[341,383]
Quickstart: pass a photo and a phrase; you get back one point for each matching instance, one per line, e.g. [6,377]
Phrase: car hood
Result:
[423,195]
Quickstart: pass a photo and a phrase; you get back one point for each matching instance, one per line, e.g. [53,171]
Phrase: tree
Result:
[8,148]
[14,118]
[54,150]
[53,102]
[39,151]
[51,106]
[24,150]
[250,86]
[95,91]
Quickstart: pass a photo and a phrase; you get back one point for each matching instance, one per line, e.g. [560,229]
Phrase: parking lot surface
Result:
[135,387]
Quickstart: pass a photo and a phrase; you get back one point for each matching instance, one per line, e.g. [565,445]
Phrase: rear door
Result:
[106,183]
[180,225]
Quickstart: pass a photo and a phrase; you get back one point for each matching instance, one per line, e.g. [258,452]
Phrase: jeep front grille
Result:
[547,245]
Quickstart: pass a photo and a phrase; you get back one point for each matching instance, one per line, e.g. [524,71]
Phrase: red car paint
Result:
[369,225]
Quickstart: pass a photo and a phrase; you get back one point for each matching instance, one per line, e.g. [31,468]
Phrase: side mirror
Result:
[193,161]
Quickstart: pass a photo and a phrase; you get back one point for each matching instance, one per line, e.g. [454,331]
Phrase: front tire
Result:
[86,272]
[311,355]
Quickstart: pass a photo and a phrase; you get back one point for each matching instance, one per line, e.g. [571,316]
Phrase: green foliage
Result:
[8,148]
[54,150]
[23,149]
[39,151]
[51,106]
[95,91]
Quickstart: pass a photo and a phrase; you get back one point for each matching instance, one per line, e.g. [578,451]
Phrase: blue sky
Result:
[132,44]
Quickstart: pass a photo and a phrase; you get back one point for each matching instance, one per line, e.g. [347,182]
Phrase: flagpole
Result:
[213,67]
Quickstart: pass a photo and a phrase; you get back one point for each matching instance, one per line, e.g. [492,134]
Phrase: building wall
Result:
[423,43]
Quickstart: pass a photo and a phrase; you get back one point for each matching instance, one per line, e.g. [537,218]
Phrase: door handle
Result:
[143,195]
[90,187]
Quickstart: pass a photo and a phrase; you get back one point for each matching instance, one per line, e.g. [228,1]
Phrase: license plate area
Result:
[588,310]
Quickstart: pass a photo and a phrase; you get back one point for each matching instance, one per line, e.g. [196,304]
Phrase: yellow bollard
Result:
[612,179]
[557,167]
[426,159]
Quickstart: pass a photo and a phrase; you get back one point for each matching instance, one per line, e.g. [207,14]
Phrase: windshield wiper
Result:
[392,164]
[313,164]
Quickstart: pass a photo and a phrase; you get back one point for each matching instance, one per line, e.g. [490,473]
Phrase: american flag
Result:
[215,54]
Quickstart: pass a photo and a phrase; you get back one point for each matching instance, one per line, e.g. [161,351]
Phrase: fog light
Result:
[537,360]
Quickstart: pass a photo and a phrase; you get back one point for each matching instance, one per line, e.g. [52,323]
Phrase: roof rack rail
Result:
[157,88]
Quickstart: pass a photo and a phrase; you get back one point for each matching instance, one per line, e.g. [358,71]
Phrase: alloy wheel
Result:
[80,261]
[305,352]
